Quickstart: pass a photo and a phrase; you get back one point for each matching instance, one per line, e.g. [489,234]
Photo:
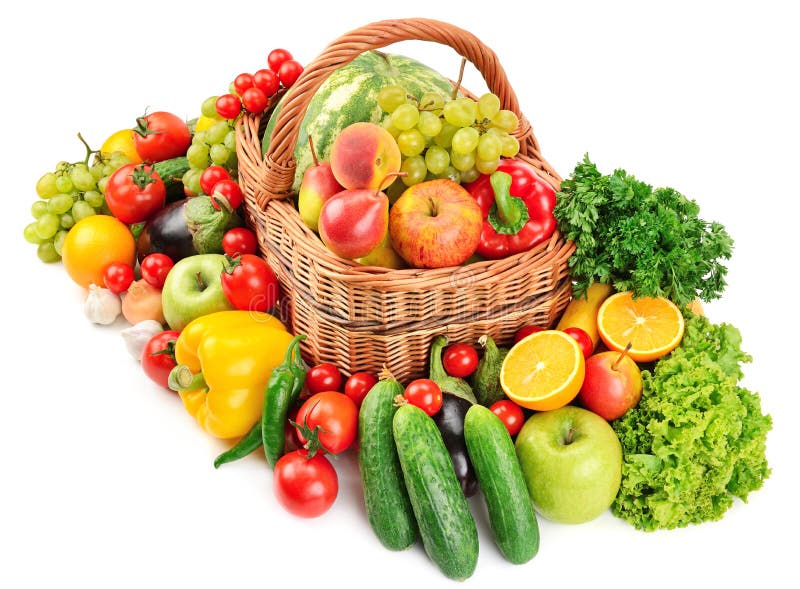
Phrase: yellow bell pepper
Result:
[224,362]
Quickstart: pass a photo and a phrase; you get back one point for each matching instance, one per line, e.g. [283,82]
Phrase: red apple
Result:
[435,224]
[612,384]
[352,223]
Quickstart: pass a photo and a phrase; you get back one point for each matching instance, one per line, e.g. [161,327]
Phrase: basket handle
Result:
[278,175]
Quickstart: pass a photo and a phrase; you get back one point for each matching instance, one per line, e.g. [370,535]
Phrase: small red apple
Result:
[435,224]
[612,384]
[352,223]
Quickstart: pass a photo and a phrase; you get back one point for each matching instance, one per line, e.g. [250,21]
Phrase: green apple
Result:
[194,288]
[572,462]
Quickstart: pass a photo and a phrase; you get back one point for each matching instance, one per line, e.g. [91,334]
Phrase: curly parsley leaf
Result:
[634,237]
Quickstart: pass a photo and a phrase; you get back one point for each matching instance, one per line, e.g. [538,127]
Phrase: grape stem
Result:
[89,150]
[460,77]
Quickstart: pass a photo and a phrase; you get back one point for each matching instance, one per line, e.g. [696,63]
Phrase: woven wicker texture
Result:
[362,318]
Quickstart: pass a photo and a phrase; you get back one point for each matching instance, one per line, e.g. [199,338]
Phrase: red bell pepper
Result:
[517,208]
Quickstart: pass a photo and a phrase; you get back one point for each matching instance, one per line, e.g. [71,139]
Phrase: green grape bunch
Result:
[215,145]
[73,191]
[440,137]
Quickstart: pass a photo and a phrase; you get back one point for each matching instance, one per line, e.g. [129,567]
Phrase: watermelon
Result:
[350,95]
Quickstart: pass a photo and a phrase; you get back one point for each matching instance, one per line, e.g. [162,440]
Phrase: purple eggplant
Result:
[450,421]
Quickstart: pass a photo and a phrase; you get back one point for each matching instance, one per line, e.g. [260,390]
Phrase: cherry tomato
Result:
[228,106]
[210,176]
[276,58]
[118,276]
[249,283]
[425,394]
[510,414]
[158,357]
[242,82]
[239,241]
[323,377]
[161,136]
[289,71]
[305,487]
[135,192]
[254,100]
[583,339]
[267,81]
[337,417]
[460,360]
[230,191]
[358,385]
[525,331]
[155,268]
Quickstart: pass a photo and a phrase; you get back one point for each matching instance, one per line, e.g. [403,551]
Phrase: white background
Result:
[107,482]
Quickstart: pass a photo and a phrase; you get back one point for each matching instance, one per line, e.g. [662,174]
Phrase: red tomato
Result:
[254,100]
[358,385]
[583,339]
[425,394]
[460,360]
[510,414]
[210,176]
[242,82]
[135,192]
[276,58]
[118,276]
[239,241]
[267,81]
[228,106]
[337,418]
[161,136]
[289,71]
[250,284]
[155,268]
[323,377]
[230,191]
[525,331]
[158,357]
[305,487]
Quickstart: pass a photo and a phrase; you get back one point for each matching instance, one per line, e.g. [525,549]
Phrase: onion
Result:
[142,301]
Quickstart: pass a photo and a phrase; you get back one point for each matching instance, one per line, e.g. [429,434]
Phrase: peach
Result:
[365,155]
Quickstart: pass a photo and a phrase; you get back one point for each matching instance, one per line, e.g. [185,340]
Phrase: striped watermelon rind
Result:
[350,95]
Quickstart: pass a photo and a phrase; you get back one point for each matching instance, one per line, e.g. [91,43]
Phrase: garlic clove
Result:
[136,336]
[101,306]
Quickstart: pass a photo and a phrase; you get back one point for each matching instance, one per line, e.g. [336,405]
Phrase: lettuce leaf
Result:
[697,439]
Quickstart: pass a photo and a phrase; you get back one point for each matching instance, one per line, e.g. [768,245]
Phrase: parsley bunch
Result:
[635,238]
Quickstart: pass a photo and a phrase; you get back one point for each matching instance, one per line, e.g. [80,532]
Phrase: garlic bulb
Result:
[136,336]
[101,306]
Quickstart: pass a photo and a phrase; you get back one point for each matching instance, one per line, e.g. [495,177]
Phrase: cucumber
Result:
[445,522]
[511,515]
[171,172]
[385,497]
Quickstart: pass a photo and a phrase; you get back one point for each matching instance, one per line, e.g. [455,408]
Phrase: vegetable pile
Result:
[697,438]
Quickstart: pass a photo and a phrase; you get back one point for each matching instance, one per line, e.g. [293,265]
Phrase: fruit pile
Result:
[631,401]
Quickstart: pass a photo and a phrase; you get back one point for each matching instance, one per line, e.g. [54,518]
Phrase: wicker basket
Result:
[362,318]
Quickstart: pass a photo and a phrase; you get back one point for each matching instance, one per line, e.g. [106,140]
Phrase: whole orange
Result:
[92,244]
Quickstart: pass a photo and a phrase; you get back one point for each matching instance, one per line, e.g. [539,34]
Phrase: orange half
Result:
[543,371]
[652,325]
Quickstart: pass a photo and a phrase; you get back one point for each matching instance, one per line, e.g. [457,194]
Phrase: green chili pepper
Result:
[290,373]
[247,445]
[283,389]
